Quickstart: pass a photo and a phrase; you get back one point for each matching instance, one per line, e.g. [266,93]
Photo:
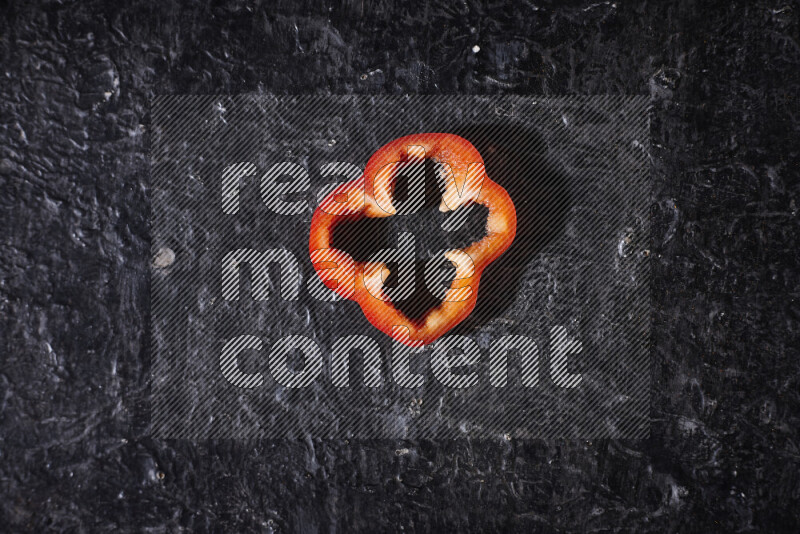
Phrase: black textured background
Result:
[724,451]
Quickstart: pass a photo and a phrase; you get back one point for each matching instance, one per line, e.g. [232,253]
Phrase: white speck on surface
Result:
[621,250]
[476,49]
[164,258]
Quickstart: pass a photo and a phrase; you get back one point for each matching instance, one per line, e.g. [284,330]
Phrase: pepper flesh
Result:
[370,196]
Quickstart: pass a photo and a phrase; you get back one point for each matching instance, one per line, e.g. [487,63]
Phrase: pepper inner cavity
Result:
[432,230]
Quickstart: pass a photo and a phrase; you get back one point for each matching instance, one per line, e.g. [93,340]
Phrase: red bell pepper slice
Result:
[371,196]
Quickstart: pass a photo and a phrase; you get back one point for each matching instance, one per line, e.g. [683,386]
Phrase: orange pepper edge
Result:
[444,148]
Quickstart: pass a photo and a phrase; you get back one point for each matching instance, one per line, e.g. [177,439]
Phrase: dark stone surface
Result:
[74,448]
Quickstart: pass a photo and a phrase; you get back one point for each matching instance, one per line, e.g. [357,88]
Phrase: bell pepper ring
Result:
[465,182]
